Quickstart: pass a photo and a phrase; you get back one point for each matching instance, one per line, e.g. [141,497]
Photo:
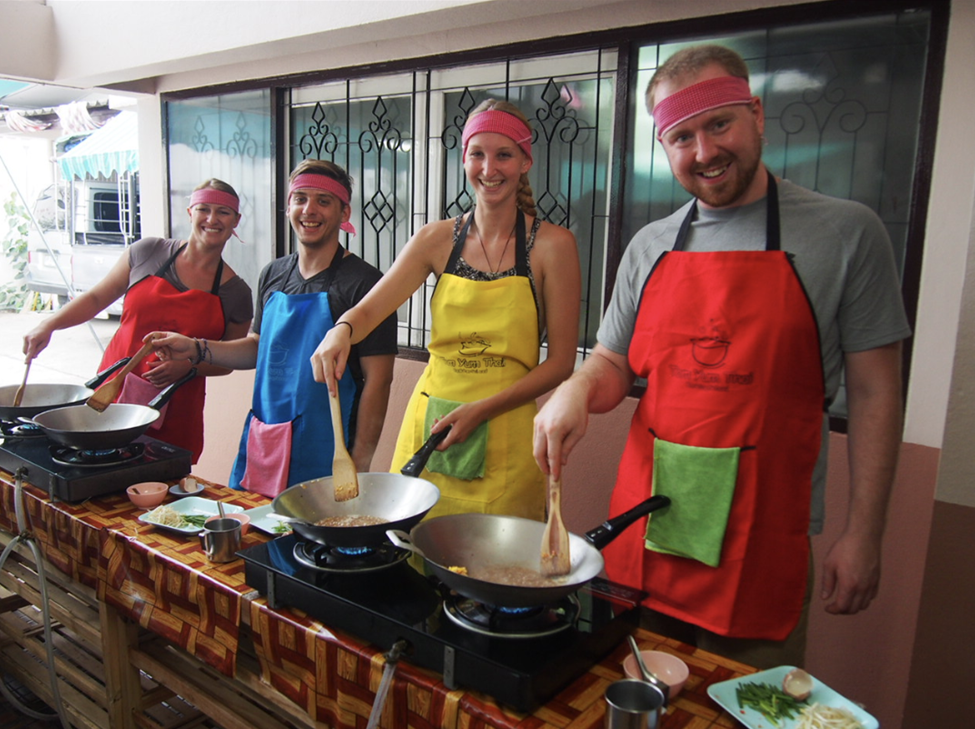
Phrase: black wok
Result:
[40,397]
[82,427]
[482,541]
[401,499]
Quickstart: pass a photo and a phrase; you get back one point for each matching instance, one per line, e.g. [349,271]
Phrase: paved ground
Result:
[72,356]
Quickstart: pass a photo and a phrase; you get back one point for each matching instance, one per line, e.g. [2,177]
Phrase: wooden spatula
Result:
[344,476]
[19,395]
[556,560]
[106,394]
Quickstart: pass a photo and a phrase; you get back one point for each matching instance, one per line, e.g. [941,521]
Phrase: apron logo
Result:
[711,350]
[473,346]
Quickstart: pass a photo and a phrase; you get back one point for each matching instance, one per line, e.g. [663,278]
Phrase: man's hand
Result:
[851,575]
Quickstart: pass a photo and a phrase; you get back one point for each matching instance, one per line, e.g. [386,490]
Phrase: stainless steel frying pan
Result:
[79,426]
[39,397]
[401,499]
[489,541]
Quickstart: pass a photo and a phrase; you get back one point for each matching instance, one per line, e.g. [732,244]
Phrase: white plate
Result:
[177,491]
[190,505]
[268,525]
[725,694]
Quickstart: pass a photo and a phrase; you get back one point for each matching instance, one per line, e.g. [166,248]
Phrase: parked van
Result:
[84,227]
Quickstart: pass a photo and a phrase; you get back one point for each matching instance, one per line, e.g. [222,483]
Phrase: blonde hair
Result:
[525,197]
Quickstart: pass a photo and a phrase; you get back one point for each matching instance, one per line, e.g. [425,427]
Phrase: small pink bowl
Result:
[147,495]
[667,667]
[244,519]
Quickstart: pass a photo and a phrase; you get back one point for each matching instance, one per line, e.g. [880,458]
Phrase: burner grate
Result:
[329,558]
[88,458]
[506,622]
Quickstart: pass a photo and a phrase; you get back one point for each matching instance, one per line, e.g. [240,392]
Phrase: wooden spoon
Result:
[19,395]
[556,560]
[106,394]
[344,476]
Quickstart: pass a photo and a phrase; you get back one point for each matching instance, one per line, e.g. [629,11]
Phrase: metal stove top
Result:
[398,603]
[148,459]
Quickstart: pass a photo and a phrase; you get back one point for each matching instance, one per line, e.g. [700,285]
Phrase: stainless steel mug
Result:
[632,704]
[220,539]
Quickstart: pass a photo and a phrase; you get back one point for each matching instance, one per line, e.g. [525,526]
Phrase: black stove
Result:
[72,475]
[521,657]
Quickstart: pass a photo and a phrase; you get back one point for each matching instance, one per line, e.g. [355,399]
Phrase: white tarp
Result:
[113,148]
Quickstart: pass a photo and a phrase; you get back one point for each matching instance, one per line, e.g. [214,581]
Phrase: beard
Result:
[731,191]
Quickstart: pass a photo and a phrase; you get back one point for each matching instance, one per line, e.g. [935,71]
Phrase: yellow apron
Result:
[484,338]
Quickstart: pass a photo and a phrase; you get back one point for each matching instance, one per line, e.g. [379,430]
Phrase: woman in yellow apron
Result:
[505,282]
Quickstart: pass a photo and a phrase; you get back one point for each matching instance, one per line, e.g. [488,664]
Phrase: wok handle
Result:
[402,540]
[163,397]
[414,466]
[95,382]
[612,528]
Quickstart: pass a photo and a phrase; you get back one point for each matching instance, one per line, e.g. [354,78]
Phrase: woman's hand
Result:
[170,346]
[330,358]
[35,341]
[162,374]
[463,420]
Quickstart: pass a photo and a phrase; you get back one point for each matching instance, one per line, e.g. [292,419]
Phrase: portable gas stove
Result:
[522,657]
[74,475]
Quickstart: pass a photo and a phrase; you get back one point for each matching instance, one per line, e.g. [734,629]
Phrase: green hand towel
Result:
[700,483]
[462,460]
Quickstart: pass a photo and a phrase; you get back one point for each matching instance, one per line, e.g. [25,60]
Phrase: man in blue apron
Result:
[741,311]
[287,436]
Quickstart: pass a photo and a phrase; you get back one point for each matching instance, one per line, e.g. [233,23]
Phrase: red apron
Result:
[155,304]
[729,346]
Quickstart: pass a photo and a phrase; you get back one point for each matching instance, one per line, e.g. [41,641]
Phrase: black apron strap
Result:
[773,238]
[214,289]
[521,245]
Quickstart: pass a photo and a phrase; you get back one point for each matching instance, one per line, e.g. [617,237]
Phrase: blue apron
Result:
[292,327]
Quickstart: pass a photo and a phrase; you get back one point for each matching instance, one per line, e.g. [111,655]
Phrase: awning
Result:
[113,148]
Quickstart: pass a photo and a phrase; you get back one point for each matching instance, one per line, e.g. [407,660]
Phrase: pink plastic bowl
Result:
[667,667]
[147,495]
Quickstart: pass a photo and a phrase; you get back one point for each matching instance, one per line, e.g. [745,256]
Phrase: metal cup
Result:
[220,539]
[632,704]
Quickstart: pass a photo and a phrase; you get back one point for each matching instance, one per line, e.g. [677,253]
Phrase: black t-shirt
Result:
[352,281]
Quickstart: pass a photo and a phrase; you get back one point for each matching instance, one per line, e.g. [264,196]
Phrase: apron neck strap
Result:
[171,261]
[773,239]
[521,245]
[330,272]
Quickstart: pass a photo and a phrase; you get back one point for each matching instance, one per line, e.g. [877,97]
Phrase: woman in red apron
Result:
[187,288]
[504,281]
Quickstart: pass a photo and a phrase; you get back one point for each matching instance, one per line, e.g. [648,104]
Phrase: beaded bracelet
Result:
[199,352]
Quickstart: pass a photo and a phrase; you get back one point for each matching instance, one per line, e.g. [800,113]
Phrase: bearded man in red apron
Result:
[741,310]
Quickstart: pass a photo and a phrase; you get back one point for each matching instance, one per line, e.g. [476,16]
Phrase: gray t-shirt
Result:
[841,252]
[148,254]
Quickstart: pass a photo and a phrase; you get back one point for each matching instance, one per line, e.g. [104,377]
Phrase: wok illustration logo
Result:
[711,348]
[473,345]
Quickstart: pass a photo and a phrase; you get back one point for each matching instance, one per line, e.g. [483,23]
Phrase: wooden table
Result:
[169,628]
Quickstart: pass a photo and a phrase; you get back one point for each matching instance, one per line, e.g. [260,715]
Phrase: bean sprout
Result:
[818,716]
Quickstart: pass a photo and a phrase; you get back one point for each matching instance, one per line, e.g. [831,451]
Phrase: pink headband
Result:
[215,197]
[311,181]
[698,98]
[499,122]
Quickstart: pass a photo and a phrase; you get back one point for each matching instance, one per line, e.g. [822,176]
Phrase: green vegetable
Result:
[195,520]
[770,701]
[281,529]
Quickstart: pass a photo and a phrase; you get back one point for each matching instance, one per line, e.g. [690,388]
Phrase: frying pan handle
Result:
[163,397]
[415,465]
[402,540]
[97,380]
[611,528]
